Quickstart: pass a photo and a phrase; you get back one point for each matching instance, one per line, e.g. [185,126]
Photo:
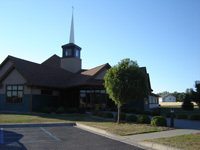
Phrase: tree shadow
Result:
[9,140]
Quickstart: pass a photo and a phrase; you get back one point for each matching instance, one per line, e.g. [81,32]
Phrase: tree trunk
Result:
[119,111]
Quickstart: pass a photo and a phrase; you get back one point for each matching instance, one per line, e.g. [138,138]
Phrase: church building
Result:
[26,86]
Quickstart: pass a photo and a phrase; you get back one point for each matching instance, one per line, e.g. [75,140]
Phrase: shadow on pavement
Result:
[10,140]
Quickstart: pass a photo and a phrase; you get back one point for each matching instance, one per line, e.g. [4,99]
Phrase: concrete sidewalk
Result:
[138,139]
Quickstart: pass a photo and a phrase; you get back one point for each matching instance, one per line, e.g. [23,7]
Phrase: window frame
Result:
[14,88]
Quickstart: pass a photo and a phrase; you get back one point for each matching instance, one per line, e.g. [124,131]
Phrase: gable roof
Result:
[49,73]
[53,61]
[86,77]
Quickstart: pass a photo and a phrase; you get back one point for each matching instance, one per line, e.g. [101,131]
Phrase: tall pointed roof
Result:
[71,38]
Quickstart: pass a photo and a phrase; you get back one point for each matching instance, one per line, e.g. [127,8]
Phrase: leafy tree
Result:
[196,95]
[125,83]
[164,93]
[180,97]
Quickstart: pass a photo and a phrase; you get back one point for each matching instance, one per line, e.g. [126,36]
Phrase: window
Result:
[77,53]
[68,52]
[14,94]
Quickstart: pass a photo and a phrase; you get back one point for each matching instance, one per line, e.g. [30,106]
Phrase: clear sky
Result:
[163,35]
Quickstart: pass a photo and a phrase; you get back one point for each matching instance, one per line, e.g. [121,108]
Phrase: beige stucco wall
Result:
[71,64]
[101,75]
[14,77]
[5,68]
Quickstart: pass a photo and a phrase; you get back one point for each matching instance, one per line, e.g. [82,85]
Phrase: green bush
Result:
[159,121]
[122,116]
[100,114]
[48,109]
[195,117]
[182,116]
[108,115]
[144,119]
[131,118]
[60,110]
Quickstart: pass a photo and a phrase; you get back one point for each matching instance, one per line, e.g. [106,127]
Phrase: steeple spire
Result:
[71,38]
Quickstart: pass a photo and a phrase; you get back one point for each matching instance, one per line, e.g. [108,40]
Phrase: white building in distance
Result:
[167,98]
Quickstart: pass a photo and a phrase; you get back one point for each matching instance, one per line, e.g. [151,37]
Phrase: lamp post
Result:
[172,117]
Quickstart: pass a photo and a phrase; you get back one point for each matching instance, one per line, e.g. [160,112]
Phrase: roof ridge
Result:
[20,59]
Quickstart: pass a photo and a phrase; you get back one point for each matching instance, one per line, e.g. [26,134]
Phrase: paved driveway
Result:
[56,138]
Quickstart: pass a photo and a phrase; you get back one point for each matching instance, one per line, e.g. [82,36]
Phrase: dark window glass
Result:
[9,87]
[14,87]
[77,53]
[68,52]
[14,94]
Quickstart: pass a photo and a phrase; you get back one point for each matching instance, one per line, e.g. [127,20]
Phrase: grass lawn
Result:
[109,125]
[124,129]
[186,142]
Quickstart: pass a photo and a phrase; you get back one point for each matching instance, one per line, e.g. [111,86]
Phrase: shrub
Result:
[195,117]
[108,115]
[60,110]
[95,113]
[122,116]
[100,114]
[48,109]
[159,121]
[144,119]
[131,118]
[182,116]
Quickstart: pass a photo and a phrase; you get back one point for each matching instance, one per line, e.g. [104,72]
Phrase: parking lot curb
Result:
[96,130]
[36,125]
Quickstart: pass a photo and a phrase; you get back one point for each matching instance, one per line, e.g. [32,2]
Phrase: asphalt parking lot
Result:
[56,138]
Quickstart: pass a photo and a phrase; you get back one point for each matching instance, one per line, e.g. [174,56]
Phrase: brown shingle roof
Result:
[41,75]
[53,61]
[49,73]
[85,77]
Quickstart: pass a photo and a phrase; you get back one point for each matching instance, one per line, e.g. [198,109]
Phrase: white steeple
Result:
[71,38]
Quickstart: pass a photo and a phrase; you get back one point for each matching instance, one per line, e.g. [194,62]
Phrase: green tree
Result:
[125,83]
[187,104]
[180,97]
[164,93]
[195,96]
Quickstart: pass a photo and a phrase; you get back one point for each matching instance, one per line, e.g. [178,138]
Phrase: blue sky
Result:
[163,35]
